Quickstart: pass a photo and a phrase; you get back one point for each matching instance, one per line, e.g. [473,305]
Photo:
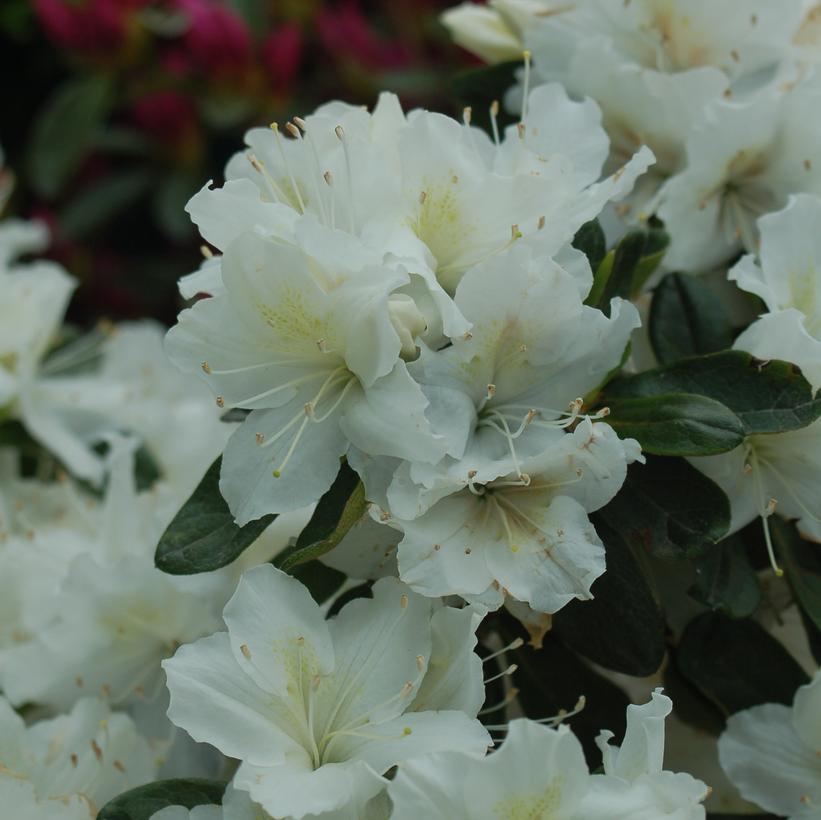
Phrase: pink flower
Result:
[95,26]
[217,38]
[281,56]
[346,34]
[167,116]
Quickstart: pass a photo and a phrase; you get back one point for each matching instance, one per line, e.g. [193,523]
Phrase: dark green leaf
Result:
[614,276]
[713,815]
[141,803]
[590,240]
[726,580]
[737,664]
[690,704]
[669,509]
[95,205]
[655,246]
[361,591]
[479,87]
[622,628]
[802,564]
[203,535]
[337,511]
[686,319]
[678,424]
[553,678]
[146,470]
[170,198]
[64,131]
[768,397]
[322,581]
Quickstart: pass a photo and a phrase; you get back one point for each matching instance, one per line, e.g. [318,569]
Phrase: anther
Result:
[515,233]
[491,391]
[74,759]
[301,123]
[300,641]
[423,195]
[118,765]
[206,368]
[509,671]
[521,128]
[293,130]
[98,752]
[206,252]
[220,401]
[420,663]
[245,651]
[328,177]
[403,602]
[260,437]
[540,223]
[407,689]
[340,132]
[467,115]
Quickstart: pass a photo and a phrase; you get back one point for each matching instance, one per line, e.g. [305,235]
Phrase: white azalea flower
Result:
[437,194]
[506,511]
[68,767]
[308,342]
[772,754]
[780,472]
[540,772]
[174,415]
[316,711]
[744,158]
[100,620]
[50,405]
[654,66]
[634,785]
[787,277]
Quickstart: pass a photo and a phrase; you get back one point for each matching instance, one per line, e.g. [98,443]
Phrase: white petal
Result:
[806,716]
[766,760]
[216,702]
[278,635]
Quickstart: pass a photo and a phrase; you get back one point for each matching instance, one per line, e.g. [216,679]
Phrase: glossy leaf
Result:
[737,664]
[680,424]
[590,240]
[668,509]
[802,564]
[141,803]
[203,536]
[686,319]
[768,397]
[553,678]
[726,580]
[336,512]
[622,628]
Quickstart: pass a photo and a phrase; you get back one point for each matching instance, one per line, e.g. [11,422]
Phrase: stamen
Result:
[260,168]
[298,132]
[206,252]
[329,181]
[526,55]
[275,128]
[514,644]
[340,133]
[765,509]
[504,673]
[494,113]
[509,697]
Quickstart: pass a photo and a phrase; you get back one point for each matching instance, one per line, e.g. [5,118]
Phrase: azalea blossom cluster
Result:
[295,544]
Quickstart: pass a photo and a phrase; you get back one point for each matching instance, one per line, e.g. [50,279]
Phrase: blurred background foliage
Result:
[117,111]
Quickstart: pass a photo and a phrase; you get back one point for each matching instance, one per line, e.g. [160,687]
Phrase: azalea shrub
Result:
[480,473]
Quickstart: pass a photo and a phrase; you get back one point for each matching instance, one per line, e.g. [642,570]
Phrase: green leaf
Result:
[590,240]
[553,678]
[64,131]
[170,198]
[669,509]
[802,564]
[691,705]
[655,246]
[768,397]
[337,511]
[726,580]
[686,319]
[714,815]
[737,664]
[614,275]
[622,628]
[679,424]
[141,803]
[479,87]
[203,535]
[94,206]
[321,581]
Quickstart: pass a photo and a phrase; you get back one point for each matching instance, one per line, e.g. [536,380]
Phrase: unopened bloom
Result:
[318,711]
[772,754]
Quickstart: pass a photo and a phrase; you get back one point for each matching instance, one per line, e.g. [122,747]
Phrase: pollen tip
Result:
[403,602]
[220,401]
[276,473]
[407,731]
[245,651]
[206,368]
